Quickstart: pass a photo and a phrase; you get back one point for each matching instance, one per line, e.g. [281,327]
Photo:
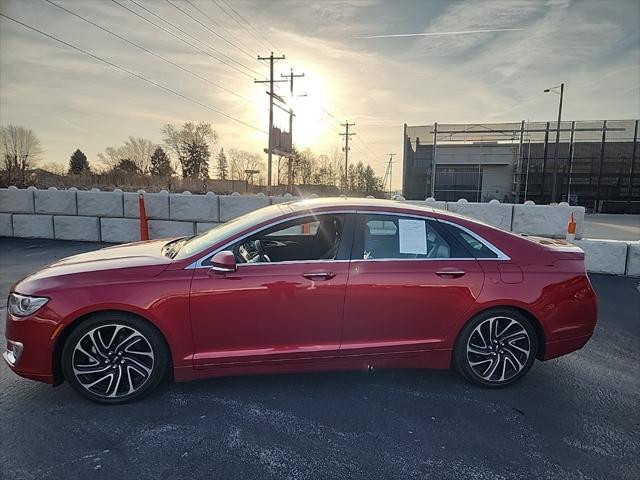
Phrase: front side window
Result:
[304,239]
[391,236]
[199,243]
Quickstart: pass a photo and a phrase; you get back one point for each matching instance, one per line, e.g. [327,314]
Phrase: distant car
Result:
[317,285]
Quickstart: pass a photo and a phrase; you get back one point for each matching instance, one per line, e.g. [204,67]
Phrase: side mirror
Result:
[223,262]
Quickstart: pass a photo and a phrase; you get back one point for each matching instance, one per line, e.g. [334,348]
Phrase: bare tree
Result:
[137,150]
[241,161]
[307,166]
[20,150]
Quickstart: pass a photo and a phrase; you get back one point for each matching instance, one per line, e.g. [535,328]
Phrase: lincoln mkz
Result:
[315,285]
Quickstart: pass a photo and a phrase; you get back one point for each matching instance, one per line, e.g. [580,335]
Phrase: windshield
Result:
[217,234]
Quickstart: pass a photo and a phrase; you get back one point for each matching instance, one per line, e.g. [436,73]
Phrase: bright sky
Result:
[73,101]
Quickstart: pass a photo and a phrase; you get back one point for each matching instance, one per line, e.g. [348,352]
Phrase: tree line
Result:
[189,150]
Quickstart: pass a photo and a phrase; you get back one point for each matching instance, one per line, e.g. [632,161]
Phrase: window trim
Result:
[350,231]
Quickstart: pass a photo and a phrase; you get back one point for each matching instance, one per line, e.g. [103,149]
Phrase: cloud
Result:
[498,75]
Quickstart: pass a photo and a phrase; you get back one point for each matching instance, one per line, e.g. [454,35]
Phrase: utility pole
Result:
[291,76]
[346,136]
[389,174]
[555,153]
[271,93]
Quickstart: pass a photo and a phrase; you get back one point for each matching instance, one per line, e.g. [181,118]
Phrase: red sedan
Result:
[327,284]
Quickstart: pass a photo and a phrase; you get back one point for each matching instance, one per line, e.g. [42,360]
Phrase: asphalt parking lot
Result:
[576,417]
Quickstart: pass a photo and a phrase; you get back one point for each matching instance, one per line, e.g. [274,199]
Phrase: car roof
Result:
[346,203]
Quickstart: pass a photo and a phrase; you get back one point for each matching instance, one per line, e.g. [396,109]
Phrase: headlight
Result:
[24,305]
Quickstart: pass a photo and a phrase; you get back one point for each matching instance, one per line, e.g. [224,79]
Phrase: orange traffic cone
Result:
[571,228]
[144,224]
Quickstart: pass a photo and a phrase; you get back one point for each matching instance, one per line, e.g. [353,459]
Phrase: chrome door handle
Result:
[319,275]
[450,273]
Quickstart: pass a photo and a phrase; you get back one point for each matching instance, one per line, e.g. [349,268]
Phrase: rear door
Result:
[409,284]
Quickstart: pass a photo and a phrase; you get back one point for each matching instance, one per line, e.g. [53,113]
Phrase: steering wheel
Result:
[261,252]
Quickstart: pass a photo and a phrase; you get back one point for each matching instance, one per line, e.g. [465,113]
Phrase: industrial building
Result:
[515,162]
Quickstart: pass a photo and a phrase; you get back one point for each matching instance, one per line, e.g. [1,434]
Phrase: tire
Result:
[114,357]
[496,348]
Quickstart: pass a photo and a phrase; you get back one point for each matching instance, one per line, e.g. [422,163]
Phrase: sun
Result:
[311,126]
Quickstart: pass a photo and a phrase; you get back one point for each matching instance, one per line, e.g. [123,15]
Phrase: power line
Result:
[194,38]
[188,35]
[209,29]
[254,53]
[328,113]
[140,77]
[148,51]
[249,24]
[366,146]
[261,42]
[180,38]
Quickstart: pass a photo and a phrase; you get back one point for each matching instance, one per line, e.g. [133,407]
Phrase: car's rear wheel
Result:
[496,348]
[114,357]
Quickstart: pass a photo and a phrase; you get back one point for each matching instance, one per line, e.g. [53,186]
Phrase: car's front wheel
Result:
[496,348]
[114,358]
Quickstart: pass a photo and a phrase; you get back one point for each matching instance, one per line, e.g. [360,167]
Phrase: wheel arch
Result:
[58,376]
[535,323]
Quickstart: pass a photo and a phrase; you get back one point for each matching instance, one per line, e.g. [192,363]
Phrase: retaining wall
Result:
[113,217]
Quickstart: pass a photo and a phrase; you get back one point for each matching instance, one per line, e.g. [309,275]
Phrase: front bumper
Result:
[13,352]
[29,349]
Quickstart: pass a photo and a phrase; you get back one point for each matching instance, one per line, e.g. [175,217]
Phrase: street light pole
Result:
[555,153]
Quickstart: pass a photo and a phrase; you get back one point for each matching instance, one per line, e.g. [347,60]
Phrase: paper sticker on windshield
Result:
[413,236]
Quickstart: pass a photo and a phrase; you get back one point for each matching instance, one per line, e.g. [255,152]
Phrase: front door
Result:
[284,302]
[408,285]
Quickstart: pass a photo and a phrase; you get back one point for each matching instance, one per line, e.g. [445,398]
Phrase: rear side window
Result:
[476,247]
[390,236]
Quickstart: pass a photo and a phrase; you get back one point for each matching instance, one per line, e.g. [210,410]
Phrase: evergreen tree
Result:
[160,163]
[191,145]
[223,165]
[78,163]
[126,165]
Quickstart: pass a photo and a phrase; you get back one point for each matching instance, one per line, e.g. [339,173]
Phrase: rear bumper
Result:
[563,347]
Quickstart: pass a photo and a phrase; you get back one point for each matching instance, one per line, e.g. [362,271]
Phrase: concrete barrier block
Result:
[546,220]
[604,256]
[82,229]
[633,259]
[232,206]
[279,199]
[194,208]
[495,214]
[119,230]
[167,228]
[422,203]
[6,225]
[100,204]
[204,226]
[33,226]
[61,202]
[14,200]
[156,205]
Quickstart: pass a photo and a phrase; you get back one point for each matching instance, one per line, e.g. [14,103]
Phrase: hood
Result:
[120,256]
[141,254]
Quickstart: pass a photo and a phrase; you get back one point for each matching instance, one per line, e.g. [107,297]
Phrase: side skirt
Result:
[426,359]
